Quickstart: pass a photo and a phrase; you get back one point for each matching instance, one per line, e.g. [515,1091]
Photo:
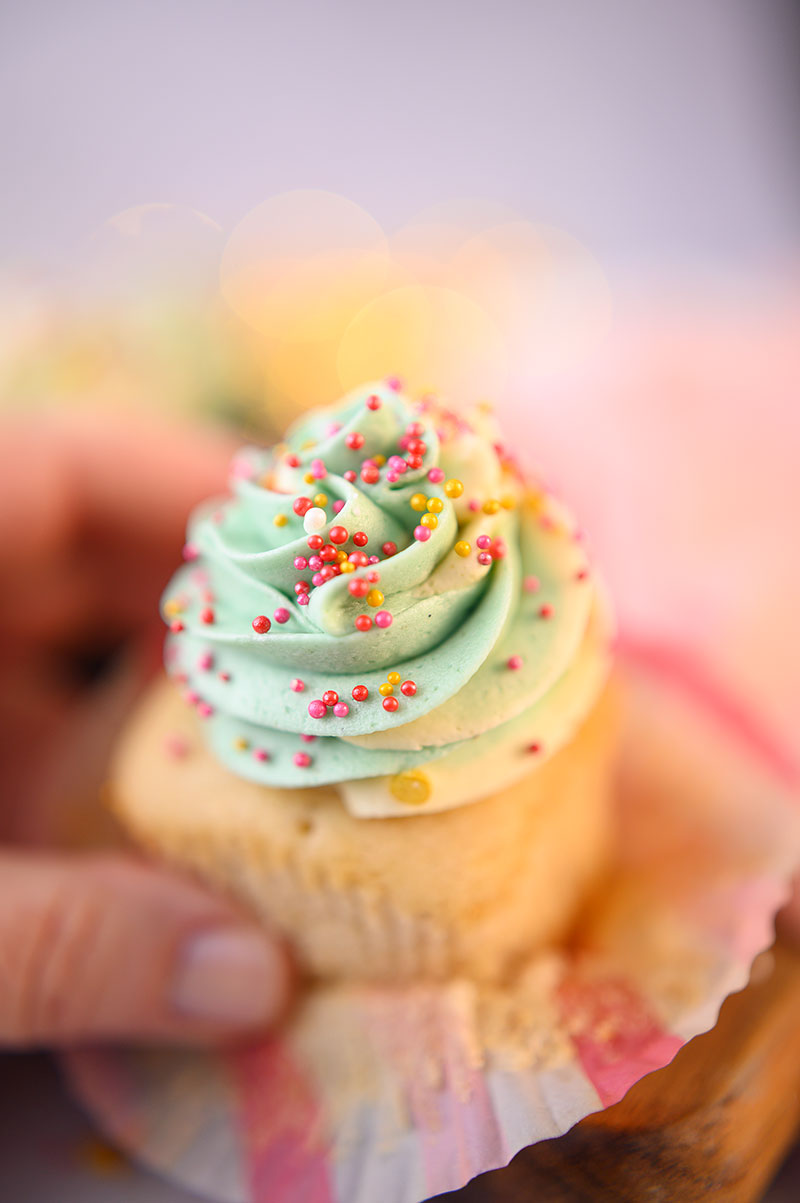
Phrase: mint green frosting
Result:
[455,623]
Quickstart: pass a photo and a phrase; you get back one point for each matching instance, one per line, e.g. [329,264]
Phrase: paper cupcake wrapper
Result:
[397,1094]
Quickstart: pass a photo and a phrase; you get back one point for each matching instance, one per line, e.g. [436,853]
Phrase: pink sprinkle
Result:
[531,584]
[318,578]
[242,468]
[435,476]
[485,558]
[397,464]
[338,506]
[373,577]
[394,383]
[422,533]
[297,685]
[176,746]
[474,506]
[204,710]
[302,760]
[300,563]
[317,709]
[514,662]
[191,698]
[341,710]
[333,429]
[318,469]
[190,551]
[499,549]
[205,661]
[484,542]
[260,754]
[224,676]
[546,611]
[383,619]
[308,739]
[374,559]
[316,563]
[303,599]
[392,477]
[281,615]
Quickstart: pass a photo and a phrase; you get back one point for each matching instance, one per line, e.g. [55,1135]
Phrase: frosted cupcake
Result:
[388,729]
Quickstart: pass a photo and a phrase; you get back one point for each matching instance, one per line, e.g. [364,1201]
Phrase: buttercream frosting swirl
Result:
[461,579]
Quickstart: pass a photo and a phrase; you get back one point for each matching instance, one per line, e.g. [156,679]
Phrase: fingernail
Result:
[231,976]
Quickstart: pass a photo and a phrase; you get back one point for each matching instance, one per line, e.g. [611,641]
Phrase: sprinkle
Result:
[315,562]
[370,474]
[301,587]
[354,440]
[483,542]
[300,563]
[341,557]
[205,662]
[281,615]
[499,549]
[303,599]
[333,429]
[359,558]
[408,688]
[261,624]
[360,693]
[389,548]
[191,698]
[358,587]
[473,506]
[531,584]
[301,506]
[394,383]
[379,459]
[190,551]
[435,505]
[318,469]
[330,697]
[546,611]
[314,520]
[582,574]
[462,548]
[359,538]
[176,626]
[383,619]
[372,576]
[453,488]
[240,744]
[317,708]
[341,710]
[485,558]
[176,746]
[414,461]
[534,748]
[419,502]
[374,598]
[338,505]
[347,567]
[349,476]
[514,662]
[363,622]
[292,461]
[321,500]
[435,476]
[260,754]
[308,739]
[386,689]
[338,534]
[508,501]
[429,520]
[411,787]
[308,478]
[302,760]
[280,520]
[374,560]
[373,402]
[224,676]
[422,534]
[393,678]
[491,506]
[391,704]
[207,615]
[204,710]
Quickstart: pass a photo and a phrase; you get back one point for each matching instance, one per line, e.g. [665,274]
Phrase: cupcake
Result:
[387,726]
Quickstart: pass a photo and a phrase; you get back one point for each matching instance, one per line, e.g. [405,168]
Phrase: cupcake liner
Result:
[398,1093]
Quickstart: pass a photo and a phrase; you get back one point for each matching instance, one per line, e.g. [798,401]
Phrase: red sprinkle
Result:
[354,440]
[293,461]
[176,626]
[358,587]
[359,538]
[370,474]
[338,534]
[315,542]
[302,505]
[391,704]
[207,615]
[389,548]
[297,685]
[546,611]
[360,693]
[409,688]
[330,697]
[534,748]
[514,662]
[373,402]
[349,476]
[261,624]
[363,622]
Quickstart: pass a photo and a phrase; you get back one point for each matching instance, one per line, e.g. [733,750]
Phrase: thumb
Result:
[102,947]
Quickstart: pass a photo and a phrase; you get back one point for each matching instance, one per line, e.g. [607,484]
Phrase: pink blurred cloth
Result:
[680,451]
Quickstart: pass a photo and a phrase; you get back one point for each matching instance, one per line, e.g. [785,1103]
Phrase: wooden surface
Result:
[712,1125]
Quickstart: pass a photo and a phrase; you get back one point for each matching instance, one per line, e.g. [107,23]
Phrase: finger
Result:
[106,948]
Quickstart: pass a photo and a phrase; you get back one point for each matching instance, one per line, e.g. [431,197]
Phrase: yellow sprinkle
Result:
[385,689]
[393,678]
[491,506]
[309,478]
[411,787]
[536,499]
[485,407]
[341,556]
[436,505]
[346,566]
[508,501]
[240,744]
[280,520]
[172,607]
[462,548]
[379,459]
[429,520]
[374,598]
[308,444]
[419,502]
[321,500]
[453,488]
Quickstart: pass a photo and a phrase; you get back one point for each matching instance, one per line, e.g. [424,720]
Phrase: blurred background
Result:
[597,205]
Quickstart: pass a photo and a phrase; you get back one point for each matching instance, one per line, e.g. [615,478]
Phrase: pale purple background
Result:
[662,135]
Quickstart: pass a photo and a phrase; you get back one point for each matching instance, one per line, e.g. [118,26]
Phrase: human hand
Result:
[100,945]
